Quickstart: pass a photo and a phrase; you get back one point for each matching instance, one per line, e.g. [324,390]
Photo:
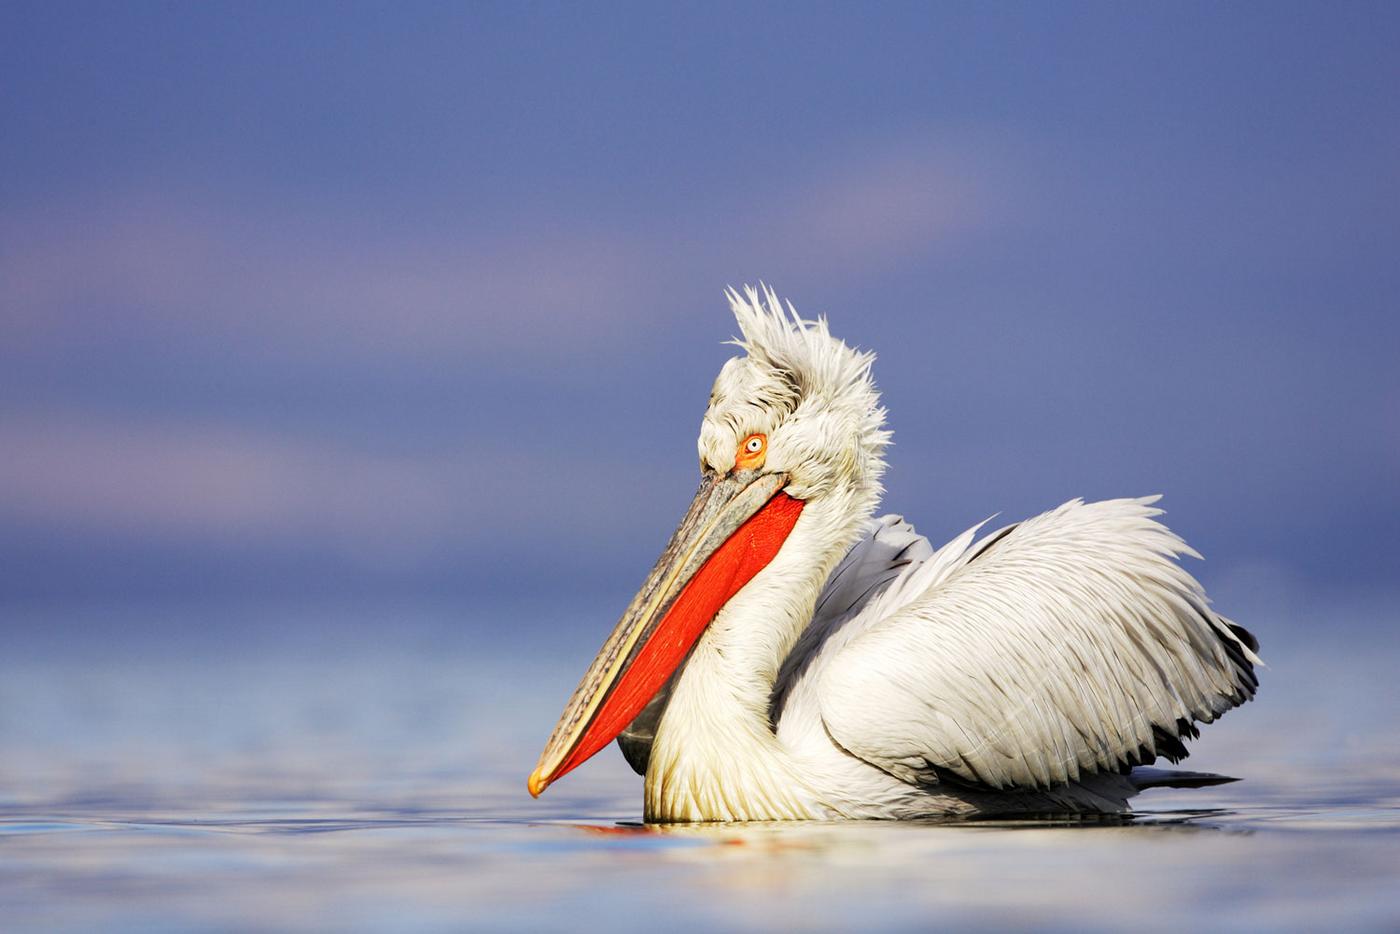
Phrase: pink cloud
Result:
[196,482]
[279,281]
[913,197]
[284,280]
[181,480]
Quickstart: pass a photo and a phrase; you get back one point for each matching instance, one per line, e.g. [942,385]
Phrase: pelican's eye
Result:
[751,452]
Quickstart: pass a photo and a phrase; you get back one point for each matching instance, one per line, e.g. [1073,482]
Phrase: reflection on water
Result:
[364,787]
[1268,865]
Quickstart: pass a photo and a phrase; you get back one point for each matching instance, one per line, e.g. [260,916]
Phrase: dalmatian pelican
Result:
[791,658]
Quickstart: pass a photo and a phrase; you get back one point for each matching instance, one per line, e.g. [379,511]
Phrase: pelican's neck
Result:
[715,756]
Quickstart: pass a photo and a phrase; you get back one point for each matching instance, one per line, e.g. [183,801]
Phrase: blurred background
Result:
[352,355]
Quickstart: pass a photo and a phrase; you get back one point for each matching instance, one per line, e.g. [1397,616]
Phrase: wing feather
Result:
[1069,644]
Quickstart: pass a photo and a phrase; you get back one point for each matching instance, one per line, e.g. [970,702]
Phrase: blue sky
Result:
[386,302]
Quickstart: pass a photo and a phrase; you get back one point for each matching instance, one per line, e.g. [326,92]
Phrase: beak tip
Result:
[537,784]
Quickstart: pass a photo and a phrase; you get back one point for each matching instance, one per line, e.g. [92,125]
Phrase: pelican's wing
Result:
[1070,644]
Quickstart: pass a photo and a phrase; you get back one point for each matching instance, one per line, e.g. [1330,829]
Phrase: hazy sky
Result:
[424,301]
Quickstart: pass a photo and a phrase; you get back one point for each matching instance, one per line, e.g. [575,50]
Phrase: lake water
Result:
[277,770]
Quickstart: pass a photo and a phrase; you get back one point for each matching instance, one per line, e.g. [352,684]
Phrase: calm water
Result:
[277,773]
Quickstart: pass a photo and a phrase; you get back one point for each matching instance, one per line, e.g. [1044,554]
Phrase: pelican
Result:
[790,657]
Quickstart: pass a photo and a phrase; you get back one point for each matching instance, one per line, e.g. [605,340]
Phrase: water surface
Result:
[288,780]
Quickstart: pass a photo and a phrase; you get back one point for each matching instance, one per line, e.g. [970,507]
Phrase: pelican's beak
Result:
[732,530]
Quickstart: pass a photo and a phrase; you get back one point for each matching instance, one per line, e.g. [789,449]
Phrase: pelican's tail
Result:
[1144,778]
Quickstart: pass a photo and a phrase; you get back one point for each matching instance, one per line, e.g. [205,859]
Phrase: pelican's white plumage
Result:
[862,674]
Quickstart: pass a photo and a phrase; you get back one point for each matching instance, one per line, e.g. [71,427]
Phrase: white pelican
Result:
[789,658]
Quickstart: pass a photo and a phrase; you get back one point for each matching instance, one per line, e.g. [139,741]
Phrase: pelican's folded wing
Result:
[1070,644]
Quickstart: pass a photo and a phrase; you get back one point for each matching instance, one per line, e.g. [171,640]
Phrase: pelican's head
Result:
[799,402]
[795,422]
